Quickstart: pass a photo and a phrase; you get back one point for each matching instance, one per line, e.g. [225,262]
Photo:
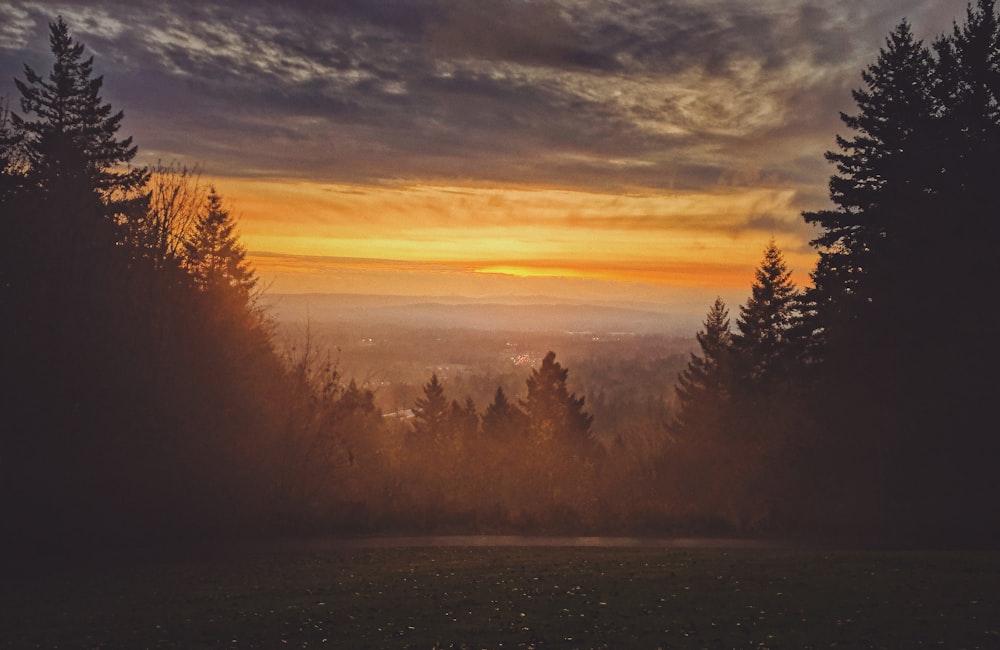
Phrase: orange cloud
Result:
[670,239]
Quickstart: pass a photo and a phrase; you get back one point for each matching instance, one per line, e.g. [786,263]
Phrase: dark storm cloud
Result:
[574,92]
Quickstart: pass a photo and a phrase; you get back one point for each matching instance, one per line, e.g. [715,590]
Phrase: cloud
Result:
[689,94]
[15,27]
[516,32]
[404,142]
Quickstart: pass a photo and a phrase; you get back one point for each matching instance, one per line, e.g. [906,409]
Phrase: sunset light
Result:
[558,140]
[663,239]
[499,323]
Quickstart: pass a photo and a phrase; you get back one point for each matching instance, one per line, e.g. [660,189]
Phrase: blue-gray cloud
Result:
[655,93]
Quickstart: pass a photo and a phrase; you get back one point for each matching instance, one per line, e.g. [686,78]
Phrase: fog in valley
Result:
[158,393]
[622,358]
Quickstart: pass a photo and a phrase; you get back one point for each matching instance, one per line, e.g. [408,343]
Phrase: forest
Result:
[149,400]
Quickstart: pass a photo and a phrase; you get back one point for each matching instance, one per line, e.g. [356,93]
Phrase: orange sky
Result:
[472,240]
[636,150]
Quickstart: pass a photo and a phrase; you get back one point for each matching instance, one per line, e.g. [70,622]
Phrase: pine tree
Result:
[555,414]
[73,142]
[905,260]
[968,147]
[765,321]
[503,420]
[704,387]
[214,255]
[885,172]
[464,420]
[431,412]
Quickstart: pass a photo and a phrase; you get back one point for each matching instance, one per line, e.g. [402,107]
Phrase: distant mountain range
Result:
[495,313]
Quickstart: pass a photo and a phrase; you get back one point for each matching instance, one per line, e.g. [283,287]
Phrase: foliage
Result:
[704,387]
[73,143]
[894,304]
[176,201]
[761,344]
[431,412]
[138,356]
[140,407]
[503,420]
[213,255]
[555,414]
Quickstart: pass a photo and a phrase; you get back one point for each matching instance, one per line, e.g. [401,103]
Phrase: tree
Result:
[214,255]
[554,414]
[176,199]
[906,257]
[884,174]
[74,143]
[766,320]
[503,420]
[12,164]
[431,412]
[704,387]
[464,420]
[967,150]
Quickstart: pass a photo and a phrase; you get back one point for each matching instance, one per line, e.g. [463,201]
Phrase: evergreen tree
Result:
[431,412]
[464,419]
[967,150]
[555,414]
[503,420]
[762,341]
[357,420]
[214,255]
[885,172]
[73,142]
[915,202]
[704,387]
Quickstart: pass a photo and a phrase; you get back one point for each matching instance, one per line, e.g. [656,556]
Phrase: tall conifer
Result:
[766,319]
[73,140]
[704,386]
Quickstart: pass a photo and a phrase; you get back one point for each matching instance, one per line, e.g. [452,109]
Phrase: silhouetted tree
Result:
[503,420]
[12,164]
[431,412]
[704,388]
[555,414]
[135,409]
[177,201]
[915,201]
[214,255]
[464,419]
[73,142]
[761,342]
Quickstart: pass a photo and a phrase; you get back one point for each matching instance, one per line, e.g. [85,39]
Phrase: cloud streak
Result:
[722,103]
[406,89]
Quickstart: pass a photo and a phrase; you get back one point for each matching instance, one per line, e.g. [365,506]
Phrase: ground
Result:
[511,597]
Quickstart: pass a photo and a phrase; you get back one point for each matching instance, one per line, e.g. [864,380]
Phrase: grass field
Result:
[513,597]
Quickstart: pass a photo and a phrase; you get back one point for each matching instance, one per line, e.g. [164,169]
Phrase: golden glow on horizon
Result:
[298,229]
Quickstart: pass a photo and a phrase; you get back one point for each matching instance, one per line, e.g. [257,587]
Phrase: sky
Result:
[615,150]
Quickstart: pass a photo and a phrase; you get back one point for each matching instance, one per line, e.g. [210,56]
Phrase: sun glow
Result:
[675,239]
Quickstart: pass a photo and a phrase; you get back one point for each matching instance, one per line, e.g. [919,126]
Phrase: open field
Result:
[513,597]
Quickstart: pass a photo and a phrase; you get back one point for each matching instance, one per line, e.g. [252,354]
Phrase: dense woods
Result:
[874,381]
[147,401]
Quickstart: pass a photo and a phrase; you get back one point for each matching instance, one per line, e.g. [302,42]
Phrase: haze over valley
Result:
[622,357]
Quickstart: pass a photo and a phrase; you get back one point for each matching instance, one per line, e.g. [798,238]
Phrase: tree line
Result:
[147,399]
[866,395]
[143,397]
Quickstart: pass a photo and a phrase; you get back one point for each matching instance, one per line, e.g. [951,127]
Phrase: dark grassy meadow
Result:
[512,597]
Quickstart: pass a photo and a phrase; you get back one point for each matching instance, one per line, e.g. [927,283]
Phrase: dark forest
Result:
[150,400]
